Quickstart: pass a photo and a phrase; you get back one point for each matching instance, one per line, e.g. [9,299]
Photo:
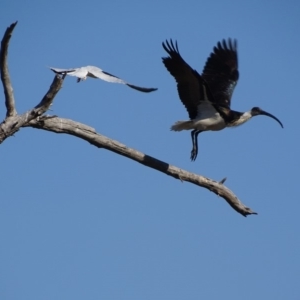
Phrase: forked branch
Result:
[35,118]
[13,123]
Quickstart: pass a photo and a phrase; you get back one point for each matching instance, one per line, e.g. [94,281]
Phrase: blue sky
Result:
[77,222]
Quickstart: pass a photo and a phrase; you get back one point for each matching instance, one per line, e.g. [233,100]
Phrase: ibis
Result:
[95,72]
[207,97]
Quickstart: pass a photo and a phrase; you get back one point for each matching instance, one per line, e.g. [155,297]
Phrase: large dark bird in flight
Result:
[207,97]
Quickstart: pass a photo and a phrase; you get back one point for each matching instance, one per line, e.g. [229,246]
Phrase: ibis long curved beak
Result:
[262,112]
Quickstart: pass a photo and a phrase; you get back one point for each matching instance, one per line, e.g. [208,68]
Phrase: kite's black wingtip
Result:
[142,89]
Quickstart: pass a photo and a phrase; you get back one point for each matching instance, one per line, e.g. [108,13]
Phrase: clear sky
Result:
[78,222]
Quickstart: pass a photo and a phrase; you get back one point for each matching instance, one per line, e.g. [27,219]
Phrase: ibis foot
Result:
[194,154]
[194,135]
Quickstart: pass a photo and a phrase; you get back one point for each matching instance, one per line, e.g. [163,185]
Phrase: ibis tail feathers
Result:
[182,125]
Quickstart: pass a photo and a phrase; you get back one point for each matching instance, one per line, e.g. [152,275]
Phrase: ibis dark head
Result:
[256,111]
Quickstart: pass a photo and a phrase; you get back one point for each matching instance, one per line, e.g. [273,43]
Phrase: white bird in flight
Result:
[95,72]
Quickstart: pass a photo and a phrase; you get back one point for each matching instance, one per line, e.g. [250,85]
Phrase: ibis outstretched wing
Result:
[221,71]
[191,87]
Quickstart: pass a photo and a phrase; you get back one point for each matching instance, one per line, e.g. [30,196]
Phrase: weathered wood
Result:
[60,125]
[5,78]
[13,123]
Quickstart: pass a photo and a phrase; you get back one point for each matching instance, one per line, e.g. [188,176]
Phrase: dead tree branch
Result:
[8,90]
[13,123]
[60,125]
[35,118]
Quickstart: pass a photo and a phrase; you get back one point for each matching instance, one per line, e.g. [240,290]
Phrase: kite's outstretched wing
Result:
[95,72]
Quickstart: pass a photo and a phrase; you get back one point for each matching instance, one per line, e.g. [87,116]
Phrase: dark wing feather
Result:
[221,71]
[190,85]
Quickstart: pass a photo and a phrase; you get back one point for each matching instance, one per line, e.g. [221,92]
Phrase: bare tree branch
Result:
[47,100]
[60,125]
[8,90]
[35,118]
[12,124]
